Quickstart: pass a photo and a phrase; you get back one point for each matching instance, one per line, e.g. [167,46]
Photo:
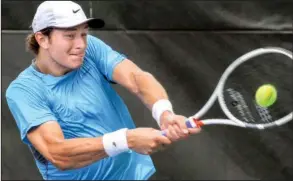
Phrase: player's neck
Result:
[47,65]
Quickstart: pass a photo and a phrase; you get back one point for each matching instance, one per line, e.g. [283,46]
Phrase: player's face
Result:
[67,46]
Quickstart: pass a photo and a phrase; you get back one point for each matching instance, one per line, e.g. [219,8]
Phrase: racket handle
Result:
[188,123]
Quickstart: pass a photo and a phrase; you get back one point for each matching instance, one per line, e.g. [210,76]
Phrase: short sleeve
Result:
[29,108]
[104,56]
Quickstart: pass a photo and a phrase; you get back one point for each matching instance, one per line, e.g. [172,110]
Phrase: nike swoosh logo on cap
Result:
[75,11]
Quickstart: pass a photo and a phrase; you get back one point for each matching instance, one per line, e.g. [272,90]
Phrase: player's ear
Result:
[42,40]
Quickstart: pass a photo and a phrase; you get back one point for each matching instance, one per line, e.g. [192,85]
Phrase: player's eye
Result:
[70,35]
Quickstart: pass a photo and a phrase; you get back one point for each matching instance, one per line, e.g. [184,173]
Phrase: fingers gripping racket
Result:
[237,87]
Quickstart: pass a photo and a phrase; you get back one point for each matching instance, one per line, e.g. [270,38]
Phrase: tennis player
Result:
[76,125]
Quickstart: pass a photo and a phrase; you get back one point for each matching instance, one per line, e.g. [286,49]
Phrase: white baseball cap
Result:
[62,14]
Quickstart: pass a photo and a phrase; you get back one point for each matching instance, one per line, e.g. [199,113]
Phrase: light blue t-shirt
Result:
[84,103]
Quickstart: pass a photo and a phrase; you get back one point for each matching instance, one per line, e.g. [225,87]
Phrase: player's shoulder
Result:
[26,81]
[93,39]
[95,47]
[95,42]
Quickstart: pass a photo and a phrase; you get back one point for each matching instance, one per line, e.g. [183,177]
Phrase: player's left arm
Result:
[151,92]
[117,68]
[141,83]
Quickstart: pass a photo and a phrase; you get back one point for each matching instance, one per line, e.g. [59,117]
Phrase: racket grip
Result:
[187,123]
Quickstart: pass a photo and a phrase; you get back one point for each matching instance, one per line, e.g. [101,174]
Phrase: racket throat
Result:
[194,123]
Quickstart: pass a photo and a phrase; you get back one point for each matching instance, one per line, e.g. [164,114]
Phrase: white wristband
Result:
[159,107]
[115,142]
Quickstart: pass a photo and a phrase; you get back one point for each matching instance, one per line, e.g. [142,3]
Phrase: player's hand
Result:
[175,126]
[146,140]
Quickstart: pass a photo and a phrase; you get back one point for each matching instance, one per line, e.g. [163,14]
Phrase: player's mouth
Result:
[81,55]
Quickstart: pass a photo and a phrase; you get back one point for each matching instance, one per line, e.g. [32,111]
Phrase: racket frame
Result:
[194,121]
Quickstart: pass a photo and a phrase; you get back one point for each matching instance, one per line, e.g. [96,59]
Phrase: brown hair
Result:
[31,42]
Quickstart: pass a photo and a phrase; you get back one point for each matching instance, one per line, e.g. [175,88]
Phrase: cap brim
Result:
[95,23]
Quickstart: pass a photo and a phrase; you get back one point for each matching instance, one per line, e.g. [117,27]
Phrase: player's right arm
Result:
[79,152]
[65,154]
[38,127]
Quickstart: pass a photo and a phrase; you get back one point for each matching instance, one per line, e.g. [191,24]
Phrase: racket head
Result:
[238,85]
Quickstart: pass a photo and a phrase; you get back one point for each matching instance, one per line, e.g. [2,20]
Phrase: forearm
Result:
[77,152]
[153,95]
[80,152]
[144,86]
[148,89]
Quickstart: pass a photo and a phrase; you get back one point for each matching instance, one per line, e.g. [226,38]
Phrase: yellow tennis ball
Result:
[266,95]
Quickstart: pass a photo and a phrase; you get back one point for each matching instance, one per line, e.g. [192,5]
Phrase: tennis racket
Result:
[237,86]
